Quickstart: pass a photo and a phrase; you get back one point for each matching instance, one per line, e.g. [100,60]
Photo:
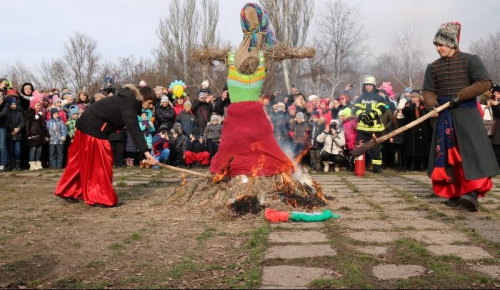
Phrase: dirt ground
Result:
[146,243]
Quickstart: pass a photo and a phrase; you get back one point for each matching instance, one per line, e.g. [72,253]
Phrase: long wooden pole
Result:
[367,146]
[183,170]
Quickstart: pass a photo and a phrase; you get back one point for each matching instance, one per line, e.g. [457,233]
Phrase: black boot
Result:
[17,165]
[469,201]
[453,202]
[377,169]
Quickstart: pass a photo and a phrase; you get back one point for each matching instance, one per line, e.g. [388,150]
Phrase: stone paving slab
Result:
[298,237]
[393,272]
[396,206]
[292,276]
[438,237]
[422,224]
[302,251]
[356,215]
[384,199]
[373,236]
[491,270]
[407,214]
[357,206]
[292,225]
[373,250]
[465,252]
[367,225]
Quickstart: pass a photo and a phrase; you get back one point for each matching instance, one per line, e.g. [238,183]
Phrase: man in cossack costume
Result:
[461,161]
[89,173]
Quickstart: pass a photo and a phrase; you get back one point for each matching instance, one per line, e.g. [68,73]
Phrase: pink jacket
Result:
[350,132]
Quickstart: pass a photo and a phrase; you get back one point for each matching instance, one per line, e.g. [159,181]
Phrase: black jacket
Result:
[197,147]
[165,116]
[15,119]
[202,111]
[220,106]
[112,114]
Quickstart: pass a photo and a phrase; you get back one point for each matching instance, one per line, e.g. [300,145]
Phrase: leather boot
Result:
[469,201]
[326,166]
[17,165]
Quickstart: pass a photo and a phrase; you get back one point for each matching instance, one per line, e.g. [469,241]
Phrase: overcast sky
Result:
[36,29]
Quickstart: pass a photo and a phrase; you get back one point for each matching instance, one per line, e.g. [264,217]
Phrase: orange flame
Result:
[292,202]
[301,155]
[218,176]
[319,191]
[183,176]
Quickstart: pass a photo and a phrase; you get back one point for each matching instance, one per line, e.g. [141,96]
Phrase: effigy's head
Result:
[255,21]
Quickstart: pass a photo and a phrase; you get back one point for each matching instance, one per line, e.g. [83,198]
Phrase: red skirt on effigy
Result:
[248,145]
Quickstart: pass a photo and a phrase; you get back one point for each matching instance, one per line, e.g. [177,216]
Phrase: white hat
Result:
[142,84]
[311,98]
[401,104]
[205,84]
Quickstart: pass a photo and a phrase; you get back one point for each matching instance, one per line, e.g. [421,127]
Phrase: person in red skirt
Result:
[460,162]
[89,172]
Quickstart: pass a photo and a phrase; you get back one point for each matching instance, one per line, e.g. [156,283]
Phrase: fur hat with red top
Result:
[448,34]
[37,97]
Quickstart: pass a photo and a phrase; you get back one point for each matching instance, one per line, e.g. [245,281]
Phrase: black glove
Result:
[455,102]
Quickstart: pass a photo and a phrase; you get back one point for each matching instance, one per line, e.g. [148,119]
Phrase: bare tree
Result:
[408,55]
[489,50]
[338,41]
[290,20]
[82,60]
[183,29]
[53,73]
[19,73]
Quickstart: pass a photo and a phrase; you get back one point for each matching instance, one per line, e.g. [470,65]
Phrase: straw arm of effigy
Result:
[278,53]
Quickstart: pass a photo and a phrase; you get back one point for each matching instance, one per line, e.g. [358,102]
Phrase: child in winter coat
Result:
[178,143]
[212,135]
[317,126]
[196,150]
[15,125]
[147,128]
[300,132]
[36,131]
[349,123]
[71,123]
[161,149]
[58,132]
[56,103]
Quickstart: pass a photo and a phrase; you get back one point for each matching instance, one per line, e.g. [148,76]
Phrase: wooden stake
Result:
[183,170]
[367,146]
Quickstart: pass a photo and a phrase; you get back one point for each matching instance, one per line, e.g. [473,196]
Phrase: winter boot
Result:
[377,169]
[337,167]
[146,164]
[17,165]
[326,166]
[141,164]
[32,165]
[369,166]
[38,165]
[469,201]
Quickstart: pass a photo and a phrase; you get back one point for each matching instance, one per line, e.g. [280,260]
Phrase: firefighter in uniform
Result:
[369,107]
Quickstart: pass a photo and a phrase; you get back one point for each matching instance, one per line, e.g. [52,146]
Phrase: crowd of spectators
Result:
[37,126]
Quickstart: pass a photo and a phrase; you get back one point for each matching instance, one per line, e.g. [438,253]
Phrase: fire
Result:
[219,176]
[224,172]
[183,176]
[291,202]
[301,155]
[319,191]
[258,167]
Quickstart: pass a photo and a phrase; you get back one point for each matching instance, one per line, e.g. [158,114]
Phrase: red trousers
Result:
[461,186]
[202,157]
[89,171]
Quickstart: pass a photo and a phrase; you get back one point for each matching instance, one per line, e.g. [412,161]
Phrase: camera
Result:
[109,90]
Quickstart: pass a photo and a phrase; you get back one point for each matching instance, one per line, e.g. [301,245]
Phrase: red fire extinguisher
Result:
[359,165]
